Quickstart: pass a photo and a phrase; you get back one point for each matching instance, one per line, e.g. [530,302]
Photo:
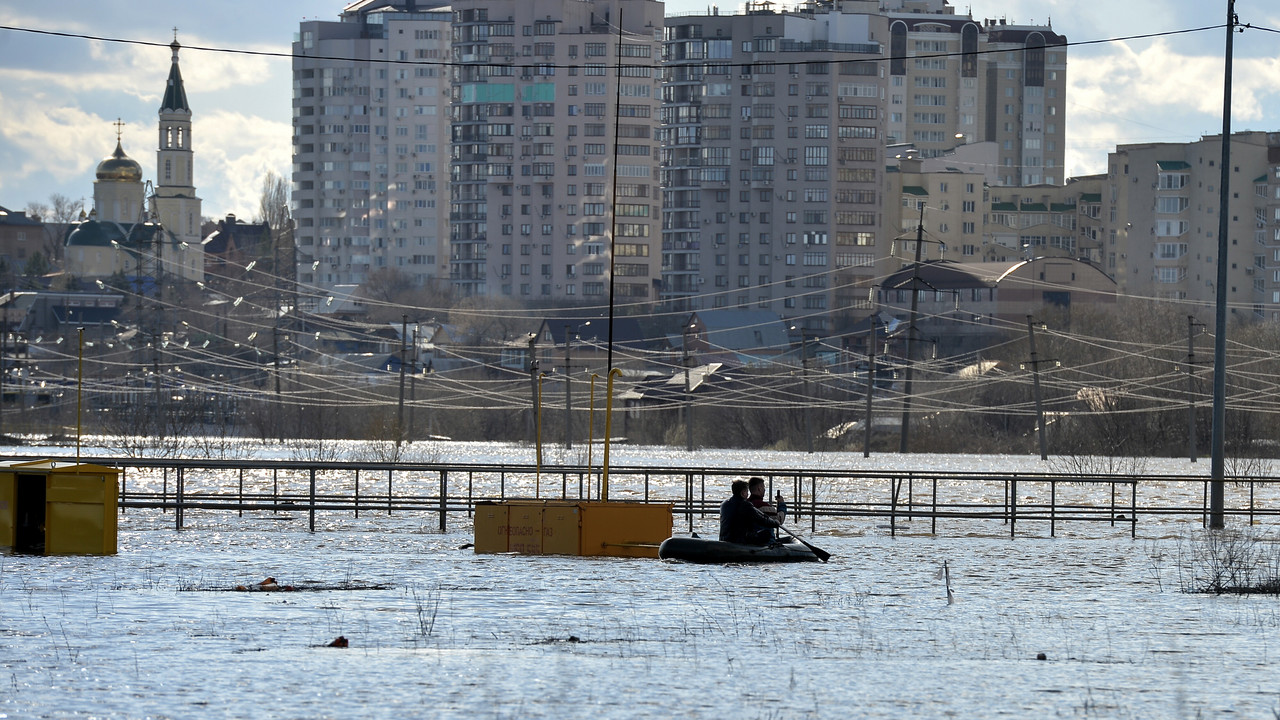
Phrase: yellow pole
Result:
[608,428]
[591,428]
[79,385]
[537,483]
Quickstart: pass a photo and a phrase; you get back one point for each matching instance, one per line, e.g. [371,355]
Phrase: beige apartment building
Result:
[956,80]
[1162,211]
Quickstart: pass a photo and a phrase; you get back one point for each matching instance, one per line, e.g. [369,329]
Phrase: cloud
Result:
[233,151]
[64,142]
[1158,94]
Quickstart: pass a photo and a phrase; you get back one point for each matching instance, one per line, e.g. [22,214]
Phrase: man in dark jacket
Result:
[742,523]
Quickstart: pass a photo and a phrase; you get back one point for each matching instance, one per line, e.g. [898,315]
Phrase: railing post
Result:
[1053,506]
[470,497]
[389,471]
[1133,510]
[1251,502]
[356,500]
[813,489]
[444,495]
[1013,504]
[893,506]
[177,507]
[241,492]
[311,513]
[933,509]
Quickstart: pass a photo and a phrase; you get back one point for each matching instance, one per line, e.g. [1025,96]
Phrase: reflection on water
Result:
[150,633]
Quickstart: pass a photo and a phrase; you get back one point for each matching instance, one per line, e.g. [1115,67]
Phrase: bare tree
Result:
[58,215]
[273,204]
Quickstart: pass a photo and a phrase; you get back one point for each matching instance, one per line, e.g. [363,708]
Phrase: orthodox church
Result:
[137,229]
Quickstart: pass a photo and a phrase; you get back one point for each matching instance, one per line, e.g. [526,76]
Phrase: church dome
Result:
[120,167]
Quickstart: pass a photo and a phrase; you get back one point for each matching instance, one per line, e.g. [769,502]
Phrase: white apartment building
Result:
[371,144]
[555,158]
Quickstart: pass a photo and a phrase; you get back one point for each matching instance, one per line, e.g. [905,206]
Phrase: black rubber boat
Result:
[706,550]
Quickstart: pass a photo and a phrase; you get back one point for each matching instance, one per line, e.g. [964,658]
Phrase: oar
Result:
[823,555]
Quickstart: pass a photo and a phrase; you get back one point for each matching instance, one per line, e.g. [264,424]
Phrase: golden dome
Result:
[120,167]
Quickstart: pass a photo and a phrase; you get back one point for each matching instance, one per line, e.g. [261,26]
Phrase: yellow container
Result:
[622,529]
[59,508]
[524,527]
[491,527]
[8,503]
[535,527]
[560,529]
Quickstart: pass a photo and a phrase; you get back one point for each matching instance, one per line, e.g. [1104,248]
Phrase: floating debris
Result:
[270,584]
[340,642]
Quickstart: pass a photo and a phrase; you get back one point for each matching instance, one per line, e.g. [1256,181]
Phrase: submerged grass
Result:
[1219,562]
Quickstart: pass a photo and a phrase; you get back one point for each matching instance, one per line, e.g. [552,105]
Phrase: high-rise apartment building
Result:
[1162,213]
[371,144]
[554,151]
[953,80]
[772,160]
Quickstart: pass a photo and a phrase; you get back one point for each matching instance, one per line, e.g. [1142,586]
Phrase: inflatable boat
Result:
[706,550]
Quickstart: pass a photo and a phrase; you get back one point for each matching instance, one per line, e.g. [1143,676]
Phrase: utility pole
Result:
[275,360]
[533,385]
[413,380]
[1191,386]
[4,335]
[155,374]
[911,336]
[1216,472]
[808,395]
[688,393]
[568,399]
[871,384]
[404,330]
[1035,380]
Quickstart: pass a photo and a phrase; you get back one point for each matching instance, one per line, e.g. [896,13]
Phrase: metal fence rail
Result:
[904,499]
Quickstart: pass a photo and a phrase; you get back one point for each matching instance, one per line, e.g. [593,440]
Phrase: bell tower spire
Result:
[175,202]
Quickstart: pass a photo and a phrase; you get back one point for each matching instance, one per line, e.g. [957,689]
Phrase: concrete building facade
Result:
[1161,216]
[371,144]
[954,80]
[773,155]
[553,114]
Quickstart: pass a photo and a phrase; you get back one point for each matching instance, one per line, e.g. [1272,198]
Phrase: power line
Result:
[444,63]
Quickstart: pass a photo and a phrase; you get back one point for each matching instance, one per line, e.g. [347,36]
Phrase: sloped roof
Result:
[96,233]
[175,94]
[742,329]
[1169,165]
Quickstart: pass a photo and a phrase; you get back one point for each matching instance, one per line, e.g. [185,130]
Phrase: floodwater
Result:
[158,631]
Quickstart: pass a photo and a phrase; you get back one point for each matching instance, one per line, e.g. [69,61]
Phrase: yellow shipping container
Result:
[56,508]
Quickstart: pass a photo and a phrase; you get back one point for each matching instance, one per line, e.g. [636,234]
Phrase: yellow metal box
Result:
[60,508]
[491,528]
[524,527]
[622,529]
[560,529]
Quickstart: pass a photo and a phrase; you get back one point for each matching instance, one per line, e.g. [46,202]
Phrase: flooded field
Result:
[433,630]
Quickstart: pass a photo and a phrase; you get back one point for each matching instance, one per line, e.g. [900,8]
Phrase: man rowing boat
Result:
[741,522]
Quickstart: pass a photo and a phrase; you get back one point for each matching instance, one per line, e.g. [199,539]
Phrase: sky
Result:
[59,97]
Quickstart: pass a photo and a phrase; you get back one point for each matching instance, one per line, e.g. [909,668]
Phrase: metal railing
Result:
[901,498]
